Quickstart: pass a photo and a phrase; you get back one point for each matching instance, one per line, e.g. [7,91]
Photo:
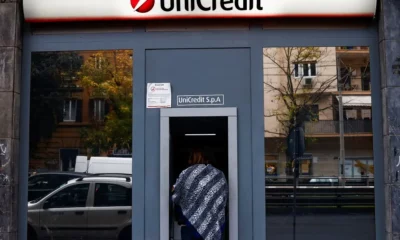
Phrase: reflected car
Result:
[324,181]
[90,207]
[41,184]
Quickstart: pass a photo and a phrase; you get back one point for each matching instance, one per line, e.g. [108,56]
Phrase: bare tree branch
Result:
[291,91]
[277,133]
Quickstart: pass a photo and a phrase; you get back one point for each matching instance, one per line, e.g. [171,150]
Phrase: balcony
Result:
[357,84]
[352,48]
[330,127]
[352,52]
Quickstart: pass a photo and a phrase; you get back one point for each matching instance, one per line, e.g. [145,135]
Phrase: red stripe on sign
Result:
[80,19]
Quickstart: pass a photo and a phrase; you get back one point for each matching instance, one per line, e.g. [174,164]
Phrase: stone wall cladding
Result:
[389,45]
[10,74]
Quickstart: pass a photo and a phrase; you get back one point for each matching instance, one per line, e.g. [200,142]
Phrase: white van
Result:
[110,165]
[81,164]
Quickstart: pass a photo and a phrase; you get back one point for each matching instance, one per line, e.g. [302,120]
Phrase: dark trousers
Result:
[189,233]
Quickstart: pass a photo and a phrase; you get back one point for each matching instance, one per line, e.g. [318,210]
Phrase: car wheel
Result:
[126,234]
[31,233]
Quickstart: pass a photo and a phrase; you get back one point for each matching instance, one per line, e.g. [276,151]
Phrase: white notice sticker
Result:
[158,95]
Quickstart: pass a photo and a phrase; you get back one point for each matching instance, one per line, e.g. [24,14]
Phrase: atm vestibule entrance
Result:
[180,135]
[208,134]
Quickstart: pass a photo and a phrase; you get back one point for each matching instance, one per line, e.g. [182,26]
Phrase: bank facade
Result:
[142,79]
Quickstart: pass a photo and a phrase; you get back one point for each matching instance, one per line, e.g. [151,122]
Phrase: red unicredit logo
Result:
[142,6]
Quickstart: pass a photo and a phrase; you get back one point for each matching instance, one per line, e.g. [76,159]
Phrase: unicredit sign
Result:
[84,10]
[213,5]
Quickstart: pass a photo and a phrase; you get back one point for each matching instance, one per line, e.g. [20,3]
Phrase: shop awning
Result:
[356,101]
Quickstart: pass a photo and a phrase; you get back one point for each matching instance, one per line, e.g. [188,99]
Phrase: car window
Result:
[61,179]
[73,196]
[55,181]
[39,182]
[109,195]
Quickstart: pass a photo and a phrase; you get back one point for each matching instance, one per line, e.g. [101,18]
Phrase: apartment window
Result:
[99,109]
[351,114]
[305,69]
[70,107]
[98,62]
[366,114]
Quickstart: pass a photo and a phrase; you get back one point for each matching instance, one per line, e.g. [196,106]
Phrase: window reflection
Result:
[303,87]
[70,109]
[80,145]
[112,195]
[70,197]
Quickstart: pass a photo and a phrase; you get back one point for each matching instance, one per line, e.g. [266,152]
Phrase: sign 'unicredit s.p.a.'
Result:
[83,10]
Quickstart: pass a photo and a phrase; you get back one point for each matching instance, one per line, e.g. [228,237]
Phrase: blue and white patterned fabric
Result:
[201,191]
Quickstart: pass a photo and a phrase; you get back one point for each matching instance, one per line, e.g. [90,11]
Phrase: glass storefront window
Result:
[80,162]
[325,92]
[359,168]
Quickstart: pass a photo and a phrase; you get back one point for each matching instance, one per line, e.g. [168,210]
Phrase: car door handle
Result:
[122,212]
[79,213]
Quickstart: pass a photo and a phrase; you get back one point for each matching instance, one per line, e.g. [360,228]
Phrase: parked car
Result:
[324,181]
[91,207]
[41,184]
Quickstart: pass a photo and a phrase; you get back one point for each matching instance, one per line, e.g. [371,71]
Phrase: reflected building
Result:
[81,107]
[316,75]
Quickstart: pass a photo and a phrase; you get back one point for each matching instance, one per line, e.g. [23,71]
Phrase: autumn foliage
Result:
[108,76]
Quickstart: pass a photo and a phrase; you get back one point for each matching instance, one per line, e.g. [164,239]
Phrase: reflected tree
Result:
[52,80]
[299,85]
[298,78]
[108,76]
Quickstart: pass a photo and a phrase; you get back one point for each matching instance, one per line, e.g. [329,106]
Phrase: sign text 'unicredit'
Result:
[195,5]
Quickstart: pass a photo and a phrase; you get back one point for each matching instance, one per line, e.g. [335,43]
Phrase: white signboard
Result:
[84,10]
[158,95]
[200,100]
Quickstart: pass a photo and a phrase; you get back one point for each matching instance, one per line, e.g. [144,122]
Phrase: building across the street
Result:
[321,76]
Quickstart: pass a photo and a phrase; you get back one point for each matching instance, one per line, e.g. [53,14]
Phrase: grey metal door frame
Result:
[231,114]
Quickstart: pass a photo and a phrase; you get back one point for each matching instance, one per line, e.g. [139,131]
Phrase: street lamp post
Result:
[341,124]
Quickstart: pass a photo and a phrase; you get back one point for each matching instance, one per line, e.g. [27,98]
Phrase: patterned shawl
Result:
[202,193]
